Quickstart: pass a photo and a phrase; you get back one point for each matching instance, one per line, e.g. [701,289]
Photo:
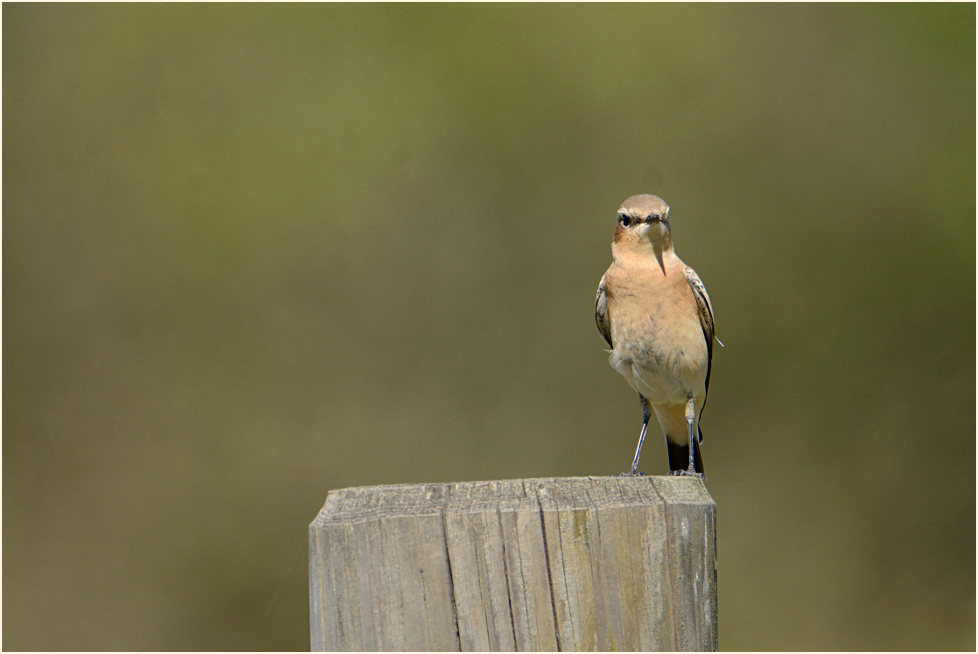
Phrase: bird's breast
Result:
[660,348]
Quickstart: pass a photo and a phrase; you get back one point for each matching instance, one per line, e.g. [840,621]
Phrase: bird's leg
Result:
[690,420]
[646,414]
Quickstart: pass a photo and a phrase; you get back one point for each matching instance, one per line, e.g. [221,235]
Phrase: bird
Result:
[655,314]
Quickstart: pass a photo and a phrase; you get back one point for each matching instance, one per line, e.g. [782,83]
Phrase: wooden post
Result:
[606,563]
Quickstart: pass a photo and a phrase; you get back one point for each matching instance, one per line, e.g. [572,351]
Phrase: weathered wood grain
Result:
[605,563]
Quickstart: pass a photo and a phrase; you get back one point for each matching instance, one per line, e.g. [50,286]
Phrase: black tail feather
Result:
[679,456]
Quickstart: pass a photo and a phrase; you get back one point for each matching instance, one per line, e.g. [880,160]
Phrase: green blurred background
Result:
[252,253]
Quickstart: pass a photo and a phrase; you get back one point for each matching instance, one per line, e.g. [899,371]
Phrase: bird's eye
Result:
[624,219]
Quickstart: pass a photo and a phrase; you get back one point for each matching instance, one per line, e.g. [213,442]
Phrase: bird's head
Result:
[643,219]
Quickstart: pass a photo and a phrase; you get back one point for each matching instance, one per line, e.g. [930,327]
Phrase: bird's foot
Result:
[686,473]
[632,473]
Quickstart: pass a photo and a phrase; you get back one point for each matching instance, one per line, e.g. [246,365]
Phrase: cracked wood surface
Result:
[583,563]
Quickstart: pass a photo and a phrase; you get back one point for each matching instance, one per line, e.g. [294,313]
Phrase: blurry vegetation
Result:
[252,253]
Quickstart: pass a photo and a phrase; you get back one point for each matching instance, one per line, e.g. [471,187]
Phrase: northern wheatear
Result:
[656,315]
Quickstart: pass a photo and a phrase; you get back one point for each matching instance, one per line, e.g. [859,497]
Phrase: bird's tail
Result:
[679,455]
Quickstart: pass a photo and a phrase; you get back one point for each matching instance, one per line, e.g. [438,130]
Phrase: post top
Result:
[549,493]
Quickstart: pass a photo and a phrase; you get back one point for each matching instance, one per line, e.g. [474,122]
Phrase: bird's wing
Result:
[601,313]
[702,304]
[705,310]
